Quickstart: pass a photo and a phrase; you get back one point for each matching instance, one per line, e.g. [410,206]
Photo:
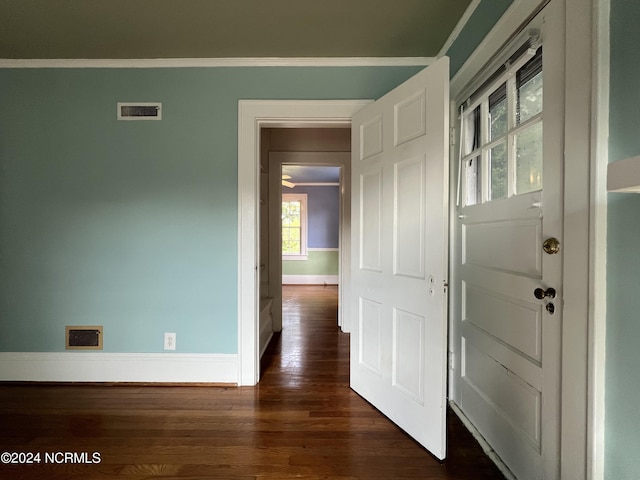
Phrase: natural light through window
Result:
[501,137]
[294,226]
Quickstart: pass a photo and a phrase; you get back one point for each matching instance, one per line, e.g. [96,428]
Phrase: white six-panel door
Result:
[399,255]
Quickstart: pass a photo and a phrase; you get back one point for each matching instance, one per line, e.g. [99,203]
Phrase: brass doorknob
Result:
[551,245]
[548,293]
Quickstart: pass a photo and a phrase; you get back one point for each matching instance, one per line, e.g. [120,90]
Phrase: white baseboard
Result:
[310,279]
[118,367]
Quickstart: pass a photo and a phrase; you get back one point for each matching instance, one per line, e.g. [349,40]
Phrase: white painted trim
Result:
[310,280]
[490,452]
[598,241]
[118,367]
[623,176]
[517,13]
[252,115]
[318,184]
[295,258]
[556,174]
[324,159]
[458,28]
[579,236]
[274,238]
[217,62]
[323,249]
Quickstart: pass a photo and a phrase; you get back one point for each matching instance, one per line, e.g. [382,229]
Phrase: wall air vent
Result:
[139,111]
[83,338]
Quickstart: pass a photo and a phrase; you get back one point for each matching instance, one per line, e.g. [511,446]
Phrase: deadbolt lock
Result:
[551,245]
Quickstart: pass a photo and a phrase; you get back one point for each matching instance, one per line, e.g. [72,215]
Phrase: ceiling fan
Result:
[286,183]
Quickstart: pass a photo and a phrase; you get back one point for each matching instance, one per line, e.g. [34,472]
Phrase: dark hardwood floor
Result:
[301,421]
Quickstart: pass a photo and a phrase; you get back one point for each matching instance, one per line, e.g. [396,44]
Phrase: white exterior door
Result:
[508,290]
[399,255]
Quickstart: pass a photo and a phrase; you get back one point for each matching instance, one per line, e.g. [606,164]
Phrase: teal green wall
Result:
[133,224]
[317,263]
[482,20]
[622,420]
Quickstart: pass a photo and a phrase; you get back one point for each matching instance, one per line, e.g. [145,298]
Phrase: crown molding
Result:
[217,62]
[459,27]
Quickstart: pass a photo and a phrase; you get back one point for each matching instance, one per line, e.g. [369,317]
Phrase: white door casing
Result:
[330,159]
[399,255]
[253,115]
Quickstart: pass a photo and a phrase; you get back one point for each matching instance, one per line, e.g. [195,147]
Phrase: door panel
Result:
[515,322]
[410,118]
[409,228]
[371,137]
[513,246]
[517,401]
[505,438]
[408,354]
[369,328]
[399,267]
[502,353]
[370,228]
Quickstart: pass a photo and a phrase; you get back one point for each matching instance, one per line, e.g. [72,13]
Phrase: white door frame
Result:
[586,52]
[323,159]
[253,115]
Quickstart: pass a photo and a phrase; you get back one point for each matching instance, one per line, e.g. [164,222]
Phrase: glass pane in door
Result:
[498,171]
[529,159]
[473,184]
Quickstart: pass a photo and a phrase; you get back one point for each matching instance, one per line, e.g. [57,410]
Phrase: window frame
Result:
[486,143]
[303,199]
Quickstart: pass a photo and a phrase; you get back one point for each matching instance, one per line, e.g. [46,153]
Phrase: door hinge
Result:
[452,136]
[452,361]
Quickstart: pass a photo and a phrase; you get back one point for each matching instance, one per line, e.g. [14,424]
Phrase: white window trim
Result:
[302,198]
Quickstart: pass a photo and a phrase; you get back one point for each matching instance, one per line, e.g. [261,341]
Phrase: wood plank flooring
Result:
[301,421]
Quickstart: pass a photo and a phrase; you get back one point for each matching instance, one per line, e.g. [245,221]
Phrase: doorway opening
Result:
[312,166]
[310,224]
[253,116]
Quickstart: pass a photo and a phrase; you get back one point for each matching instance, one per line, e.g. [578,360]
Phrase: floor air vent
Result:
[139,111]
[83,338]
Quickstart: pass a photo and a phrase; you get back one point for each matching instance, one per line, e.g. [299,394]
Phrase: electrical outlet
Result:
[169,341]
